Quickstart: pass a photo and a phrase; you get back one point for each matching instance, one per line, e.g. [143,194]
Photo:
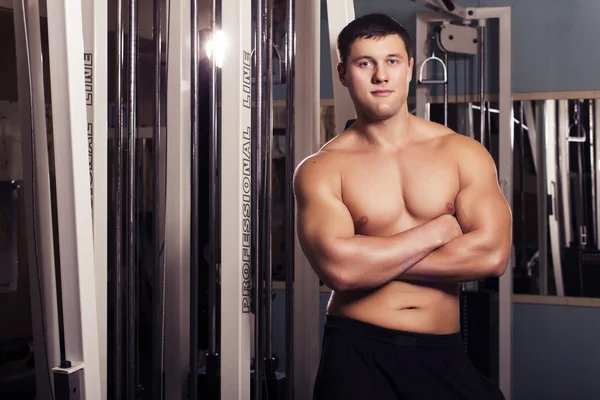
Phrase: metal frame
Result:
[448,7]
[73,200]
[307,141]
[95,26]
[563,170]
[39,230]
[550,182]
[177,248]
[542,187]
[505,167]
[235,201]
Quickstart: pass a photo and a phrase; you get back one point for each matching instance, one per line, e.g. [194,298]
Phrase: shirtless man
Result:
[393,214]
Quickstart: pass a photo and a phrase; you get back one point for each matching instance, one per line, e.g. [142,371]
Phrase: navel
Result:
[450,207]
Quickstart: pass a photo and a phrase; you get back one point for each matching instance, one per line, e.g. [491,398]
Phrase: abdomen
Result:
[402,306]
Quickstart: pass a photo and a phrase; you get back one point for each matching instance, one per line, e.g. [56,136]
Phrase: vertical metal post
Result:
[307,142]
[238,159]
[482,106]
[289,194]
[130,227]
[593,172]
[564,177]
[446,92]
[553,174]
[95,27]
[257,195]
[118,171]
[158,317]
[552,216]
[213,162]
[469,120]
[177,219]
[542,108]
[65,42]
[266,189]
[195,202]
[522,161]
[505,174]
[214,257]
[505,170]
[269,362]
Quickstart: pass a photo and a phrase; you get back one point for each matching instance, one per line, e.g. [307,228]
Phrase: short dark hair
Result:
[371,26]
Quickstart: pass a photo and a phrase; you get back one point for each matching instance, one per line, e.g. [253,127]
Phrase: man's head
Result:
[375,64]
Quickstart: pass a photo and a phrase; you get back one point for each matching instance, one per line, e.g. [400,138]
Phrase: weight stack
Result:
[581,272]
[479,330]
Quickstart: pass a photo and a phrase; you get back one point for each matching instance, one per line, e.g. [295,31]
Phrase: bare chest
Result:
[386,195]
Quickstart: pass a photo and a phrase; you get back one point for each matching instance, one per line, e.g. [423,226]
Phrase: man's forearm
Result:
[466,258]
[365,262]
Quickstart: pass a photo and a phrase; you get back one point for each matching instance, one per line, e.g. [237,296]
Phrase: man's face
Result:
[377,74]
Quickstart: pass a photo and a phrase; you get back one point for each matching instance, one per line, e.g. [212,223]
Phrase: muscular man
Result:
[393,214]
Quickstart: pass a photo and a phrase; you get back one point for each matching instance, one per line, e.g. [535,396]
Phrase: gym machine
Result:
[460,30]
[240,364]
[69,335]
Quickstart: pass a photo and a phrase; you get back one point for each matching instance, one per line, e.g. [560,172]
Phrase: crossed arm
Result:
[435,251]
[485,218]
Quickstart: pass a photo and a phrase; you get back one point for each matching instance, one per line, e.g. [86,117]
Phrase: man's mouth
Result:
[382,92]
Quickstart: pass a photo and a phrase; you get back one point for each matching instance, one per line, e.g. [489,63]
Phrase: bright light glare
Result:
[219,45]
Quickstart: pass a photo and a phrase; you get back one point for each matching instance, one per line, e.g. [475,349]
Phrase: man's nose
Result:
[380,75]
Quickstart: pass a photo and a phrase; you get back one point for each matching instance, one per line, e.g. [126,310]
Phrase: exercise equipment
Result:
[195,202]
[289,225]
[117,221]
[432,81]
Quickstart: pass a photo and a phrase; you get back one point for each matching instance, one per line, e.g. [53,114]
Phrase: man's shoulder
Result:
[316,169]
[460,145]
[473,160]
[465,151]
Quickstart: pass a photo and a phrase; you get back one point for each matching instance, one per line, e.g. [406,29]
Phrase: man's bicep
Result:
[480,204]
[482,208]
[321,217]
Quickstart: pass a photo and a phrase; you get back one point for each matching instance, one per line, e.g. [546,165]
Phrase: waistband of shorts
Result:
[392,336]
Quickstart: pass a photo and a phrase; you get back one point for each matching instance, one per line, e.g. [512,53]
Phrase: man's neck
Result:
[389,133]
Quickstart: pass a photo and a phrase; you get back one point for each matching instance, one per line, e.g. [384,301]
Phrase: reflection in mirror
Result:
[555,191]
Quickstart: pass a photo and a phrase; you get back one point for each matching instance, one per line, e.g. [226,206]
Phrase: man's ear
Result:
[341,69]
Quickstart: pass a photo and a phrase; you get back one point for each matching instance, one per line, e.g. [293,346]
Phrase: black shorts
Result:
[367,362]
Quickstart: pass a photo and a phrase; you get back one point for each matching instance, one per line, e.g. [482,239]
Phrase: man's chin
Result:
[381,116]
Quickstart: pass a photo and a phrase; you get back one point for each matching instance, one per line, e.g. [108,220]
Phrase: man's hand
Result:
[449,226]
